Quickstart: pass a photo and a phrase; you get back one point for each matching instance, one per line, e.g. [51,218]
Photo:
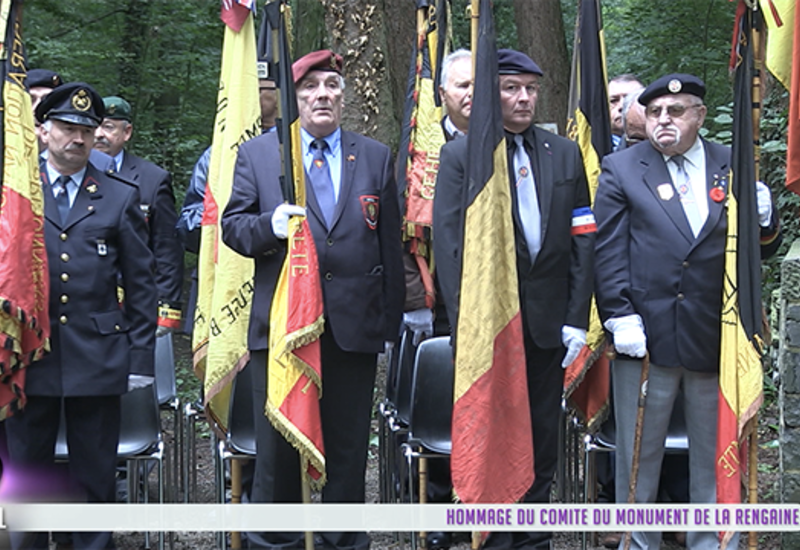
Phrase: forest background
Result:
[164,57]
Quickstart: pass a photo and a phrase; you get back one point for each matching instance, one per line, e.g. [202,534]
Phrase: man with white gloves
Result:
[662,225]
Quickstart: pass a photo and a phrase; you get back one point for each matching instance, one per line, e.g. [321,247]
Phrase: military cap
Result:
[43,78]
[673,84]
[74,102]
[117,108]
[514,62]
[320,60]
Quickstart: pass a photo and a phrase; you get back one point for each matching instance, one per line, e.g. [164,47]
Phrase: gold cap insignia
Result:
[333,61]
[111,109]
[81,101]
[674,86]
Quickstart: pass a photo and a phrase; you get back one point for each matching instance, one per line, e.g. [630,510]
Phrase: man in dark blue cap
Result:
[94,234]
[662,226]
[554,237]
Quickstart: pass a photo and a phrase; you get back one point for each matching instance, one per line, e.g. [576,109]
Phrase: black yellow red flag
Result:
[492,454]
[586,380]
[294,366]
[740,372]
[24,279]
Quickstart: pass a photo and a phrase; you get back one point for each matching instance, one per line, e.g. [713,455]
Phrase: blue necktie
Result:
[527,200]
[686,195]
[320,177]
[62,197]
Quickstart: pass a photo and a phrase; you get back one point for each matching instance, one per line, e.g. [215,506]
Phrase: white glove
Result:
[764,201]
[387,348]
[420,322]
[629,337]
[137,381]
[280,218]
[573,339]
[162,331]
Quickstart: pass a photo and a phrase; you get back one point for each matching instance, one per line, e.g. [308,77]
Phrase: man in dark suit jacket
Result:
[660,255]
[94,232]
[554,266]
[158,206]
[355,222]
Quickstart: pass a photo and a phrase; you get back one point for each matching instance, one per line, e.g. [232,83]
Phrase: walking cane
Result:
[637,440]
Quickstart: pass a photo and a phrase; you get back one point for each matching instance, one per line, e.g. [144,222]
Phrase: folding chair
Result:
[429,430]
[168,400]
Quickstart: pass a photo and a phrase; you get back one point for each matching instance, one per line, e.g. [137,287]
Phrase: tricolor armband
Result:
[583,221]
[169,317]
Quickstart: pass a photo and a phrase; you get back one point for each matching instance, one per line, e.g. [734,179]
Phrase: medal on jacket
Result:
[102,250]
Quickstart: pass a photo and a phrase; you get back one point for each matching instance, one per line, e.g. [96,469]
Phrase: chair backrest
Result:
[432,395]
[241,422]
[140,422]
[165,369]
[404,378]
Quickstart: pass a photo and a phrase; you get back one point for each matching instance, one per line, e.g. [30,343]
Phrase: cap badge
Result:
[674,86]
[81,101]
[333,61]
[111,109]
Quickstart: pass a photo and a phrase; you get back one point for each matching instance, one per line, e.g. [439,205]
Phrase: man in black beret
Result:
[354,217]
[95,235]
[662,226]
[40,83]
[554,238]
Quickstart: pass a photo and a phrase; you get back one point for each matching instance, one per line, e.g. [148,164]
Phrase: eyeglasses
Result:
[674,111]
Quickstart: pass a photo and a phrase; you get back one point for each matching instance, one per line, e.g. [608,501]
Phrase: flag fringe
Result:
[309,453]
[299,339]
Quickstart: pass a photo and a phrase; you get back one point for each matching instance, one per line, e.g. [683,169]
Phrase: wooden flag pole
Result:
[637,440]
[236,498]
[306,488]
[474,14]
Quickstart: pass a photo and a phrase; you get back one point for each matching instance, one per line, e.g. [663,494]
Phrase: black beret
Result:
[514,62]
[43,78]
[673,84]
[74,102]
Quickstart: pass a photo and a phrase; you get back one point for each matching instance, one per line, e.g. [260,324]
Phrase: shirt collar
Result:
[334,140]
[694,155]
[118,160]
[451,129]
[53,175]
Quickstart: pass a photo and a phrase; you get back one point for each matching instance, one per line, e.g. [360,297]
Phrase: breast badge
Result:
[370,208]
[666,191]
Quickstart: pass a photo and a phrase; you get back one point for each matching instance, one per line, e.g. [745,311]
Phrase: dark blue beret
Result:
[74,102]
[514,62]
[673,84]
[43,78]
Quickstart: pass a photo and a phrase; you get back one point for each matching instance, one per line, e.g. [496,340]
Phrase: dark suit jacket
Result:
[158,206]
[94,342]
[555,290]
[361,265]
[649,262]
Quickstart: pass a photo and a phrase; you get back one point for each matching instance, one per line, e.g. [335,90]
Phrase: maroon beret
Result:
[320,60]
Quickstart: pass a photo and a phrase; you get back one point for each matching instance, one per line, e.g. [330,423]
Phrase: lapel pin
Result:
[351,158]
[92,188]
[666,191]
[717,194]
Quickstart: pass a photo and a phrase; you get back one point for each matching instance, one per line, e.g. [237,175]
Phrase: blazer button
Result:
[329,242]
[65,277]
[680,296]
[116,327]
[63,319]
[64,298]
[329,276]
[64,257]
[63,236]
[685,264]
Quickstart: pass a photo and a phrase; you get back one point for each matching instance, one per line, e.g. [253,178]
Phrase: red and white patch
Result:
[370,206]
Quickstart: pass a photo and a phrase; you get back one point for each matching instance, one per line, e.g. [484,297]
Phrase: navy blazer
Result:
[649,262]
[556,289]
[94,342]
[360,256]
[158,206]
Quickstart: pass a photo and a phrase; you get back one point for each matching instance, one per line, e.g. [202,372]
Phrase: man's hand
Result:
[420,322]
[162,331]
[629,337]
[280,218]
[573,339]
[137,381]
[764,201]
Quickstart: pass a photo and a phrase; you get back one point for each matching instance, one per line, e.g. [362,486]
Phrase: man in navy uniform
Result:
[554,231]
[660,265]
[158,206]
[94,234]
[361,266]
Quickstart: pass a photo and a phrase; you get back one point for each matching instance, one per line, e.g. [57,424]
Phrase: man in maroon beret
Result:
[354,217]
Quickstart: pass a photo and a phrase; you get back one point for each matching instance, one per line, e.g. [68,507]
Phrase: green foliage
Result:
[163,57]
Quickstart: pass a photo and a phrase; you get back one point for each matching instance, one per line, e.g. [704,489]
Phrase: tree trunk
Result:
[358,32]
[401,30]
[540,30]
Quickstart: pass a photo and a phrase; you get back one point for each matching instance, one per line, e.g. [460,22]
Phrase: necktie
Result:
[527,201]
[686,194]
[320,177]
[62,197]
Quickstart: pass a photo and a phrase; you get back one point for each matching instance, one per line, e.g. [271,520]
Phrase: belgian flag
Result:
[740,372]
[492,455]
[24,279]
[294,365]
